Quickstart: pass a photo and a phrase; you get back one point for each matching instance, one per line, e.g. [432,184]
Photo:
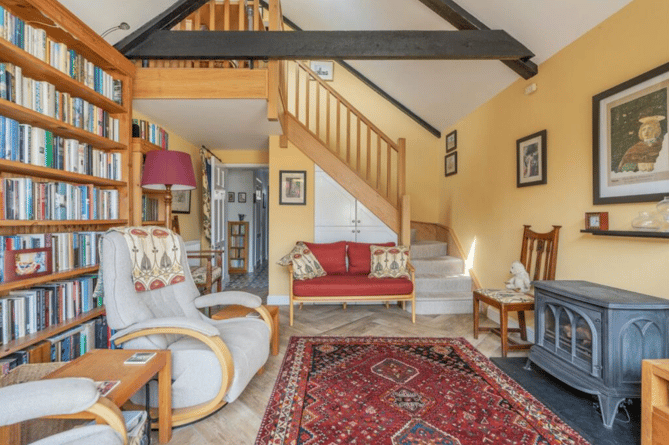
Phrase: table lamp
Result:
[168,170]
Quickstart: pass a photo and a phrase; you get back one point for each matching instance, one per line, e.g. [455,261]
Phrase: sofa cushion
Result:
[389,262]
[305,264]
[351,285]
[331,256]
[360,257]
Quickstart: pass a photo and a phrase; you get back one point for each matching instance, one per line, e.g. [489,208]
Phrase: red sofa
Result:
[347,265]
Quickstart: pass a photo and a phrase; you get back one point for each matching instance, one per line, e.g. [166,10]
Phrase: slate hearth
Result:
[594,338]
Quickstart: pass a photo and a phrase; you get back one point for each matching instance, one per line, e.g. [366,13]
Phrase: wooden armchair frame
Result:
[217,256]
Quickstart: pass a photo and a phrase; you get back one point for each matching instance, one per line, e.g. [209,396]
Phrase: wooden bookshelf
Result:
[153,223]
[238,246]
[64,27]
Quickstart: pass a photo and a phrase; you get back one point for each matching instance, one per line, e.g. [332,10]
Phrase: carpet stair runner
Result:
[441,285]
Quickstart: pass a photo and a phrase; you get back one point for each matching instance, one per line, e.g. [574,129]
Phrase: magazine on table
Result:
[139,358]
[105,387]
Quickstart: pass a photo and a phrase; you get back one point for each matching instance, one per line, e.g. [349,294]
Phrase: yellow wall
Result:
[189,224]
[288,223]
[482,202]
[243,156]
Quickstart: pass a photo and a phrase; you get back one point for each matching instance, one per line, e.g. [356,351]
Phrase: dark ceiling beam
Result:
[165,20]
[463,20]
[385,45]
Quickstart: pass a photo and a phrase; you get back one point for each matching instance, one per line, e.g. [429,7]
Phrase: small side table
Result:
[234,311]
[107,364]
[654,402]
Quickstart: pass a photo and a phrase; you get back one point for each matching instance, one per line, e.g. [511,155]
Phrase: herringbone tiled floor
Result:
[238,422]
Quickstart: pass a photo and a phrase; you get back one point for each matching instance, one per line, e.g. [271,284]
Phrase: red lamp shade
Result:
[163,167]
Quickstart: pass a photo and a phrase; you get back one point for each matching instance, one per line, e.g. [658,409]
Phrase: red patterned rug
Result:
[401,391]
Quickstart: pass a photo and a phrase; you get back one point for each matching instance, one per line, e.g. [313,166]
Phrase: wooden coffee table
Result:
[107,364]
[234,311]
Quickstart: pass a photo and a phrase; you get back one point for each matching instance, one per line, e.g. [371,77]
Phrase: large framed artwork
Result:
[292,187]
[630,148]
[531,160]
[181,201]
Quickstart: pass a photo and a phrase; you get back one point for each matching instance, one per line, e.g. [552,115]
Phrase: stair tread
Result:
[428,243]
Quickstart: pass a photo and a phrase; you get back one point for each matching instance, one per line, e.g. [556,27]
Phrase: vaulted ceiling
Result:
[439,91]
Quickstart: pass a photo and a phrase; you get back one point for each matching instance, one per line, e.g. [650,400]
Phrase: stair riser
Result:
[452,266]
[457,284]
[428,250]
[434,307]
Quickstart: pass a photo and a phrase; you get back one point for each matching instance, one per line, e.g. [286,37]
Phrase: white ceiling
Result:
[440,92]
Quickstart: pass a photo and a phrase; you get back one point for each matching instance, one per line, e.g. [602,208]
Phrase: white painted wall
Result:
[242,180]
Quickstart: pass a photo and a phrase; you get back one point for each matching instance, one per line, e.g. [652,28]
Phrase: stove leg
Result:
[528,365]
[609,407]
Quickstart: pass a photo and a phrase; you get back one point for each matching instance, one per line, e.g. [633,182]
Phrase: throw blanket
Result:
[155,253]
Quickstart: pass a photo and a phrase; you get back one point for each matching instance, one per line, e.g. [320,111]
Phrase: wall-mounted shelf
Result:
[630,233]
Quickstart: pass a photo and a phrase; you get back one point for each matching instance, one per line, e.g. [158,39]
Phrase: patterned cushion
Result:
[305,264]
[506,295]
[200,274]
[389,262]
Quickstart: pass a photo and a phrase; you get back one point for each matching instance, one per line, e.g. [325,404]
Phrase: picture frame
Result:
[241,197]
[27,263]
[292,187]
[323,69]
[451,141]
[231,196]
[181,201]
[596,220]
[531,159]
[629,140]
[451,164]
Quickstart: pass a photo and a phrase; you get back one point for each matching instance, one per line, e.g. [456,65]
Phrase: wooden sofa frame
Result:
[344,299]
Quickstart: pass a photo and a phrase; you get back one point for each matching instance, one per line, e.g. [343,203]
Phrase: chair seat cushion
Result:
[200,274]
[506,296]
[351,285]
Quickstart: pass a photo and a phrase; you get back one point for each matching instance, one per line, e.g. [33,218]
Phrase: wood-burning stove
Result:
[593,338]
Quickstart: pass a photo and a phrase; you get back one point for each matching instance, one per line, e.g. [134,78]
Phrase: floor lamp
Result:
[168,170]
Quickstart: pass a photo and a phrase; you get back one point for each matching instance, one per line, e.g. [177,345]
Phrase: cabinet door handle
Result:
[352,231]
[353,221]
[358,231]
[358,221]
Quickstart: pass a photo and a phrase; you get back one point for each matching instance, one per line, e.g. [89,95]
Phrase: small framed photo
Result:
[451,141]
[531,160]
[324,69]
[181,201]
[231,196]
[292,187]
[27,263]
[451,164]
[597,221]
[241,197]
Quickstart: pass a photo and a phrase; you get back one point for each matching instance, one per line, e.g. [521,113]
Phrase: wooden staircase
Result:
[346,145]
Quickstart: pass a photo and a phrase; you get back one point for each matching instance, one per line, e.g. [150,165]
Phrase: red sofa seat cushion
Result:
[360,257]
[351,285]
[331,256]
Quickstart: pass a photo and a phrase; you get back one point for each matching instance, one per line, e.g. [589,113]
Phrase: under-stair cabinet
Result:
[338,216]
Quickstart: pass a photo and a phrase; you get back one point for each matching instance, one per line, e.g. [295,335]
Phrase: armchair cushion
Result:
[331,256]
[389,262]
[97,434]
[186,323]
[227,298]
[360,257]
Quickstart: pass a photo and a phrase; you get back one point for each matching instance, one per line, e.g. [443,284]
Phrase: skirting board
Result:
[493,315]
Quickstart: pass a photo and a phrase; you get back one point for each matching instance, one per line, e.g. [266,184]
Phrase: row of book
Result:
[36,42]
[42,97]
[236,241]
[67,251]
[67,346]
[28,311]
[150,209]
[26,199]
[150,132]
[237,264]
[36,146]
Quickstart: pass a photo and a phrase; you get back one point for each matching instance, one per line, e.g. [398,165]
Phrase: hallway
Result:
[255,282]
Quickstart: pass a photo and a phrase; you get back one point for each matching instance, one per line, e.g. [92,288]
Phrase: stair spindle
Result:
[348,135]
[338,128]
[358,146]
[378,160]
[327,120]
[318,110]
[389,169]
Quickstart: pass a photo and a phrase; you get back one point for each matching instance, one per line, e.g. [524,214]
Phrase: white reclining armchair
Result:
[32,400]
[212,360]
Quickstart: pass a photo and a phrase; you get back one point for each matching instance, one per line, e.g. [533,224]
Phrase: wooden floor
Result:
[238,422]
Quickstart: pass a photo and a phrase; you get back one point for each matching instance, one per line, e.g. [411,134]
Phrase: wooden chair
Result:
[539,256]
[204,276]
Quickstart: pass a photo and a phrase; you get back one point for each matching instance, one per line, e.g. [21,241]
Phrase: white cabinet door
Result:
[334,206]
[332,234]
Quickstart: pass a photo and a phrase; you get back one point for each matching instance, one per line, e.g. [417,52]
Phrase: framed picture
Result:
[324,69]
[241,197]
[181,201]
[231,196]
[451,141]
[629,140]
[531,160]
[292,187]
[27,263]
[451,164]
[597,221]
